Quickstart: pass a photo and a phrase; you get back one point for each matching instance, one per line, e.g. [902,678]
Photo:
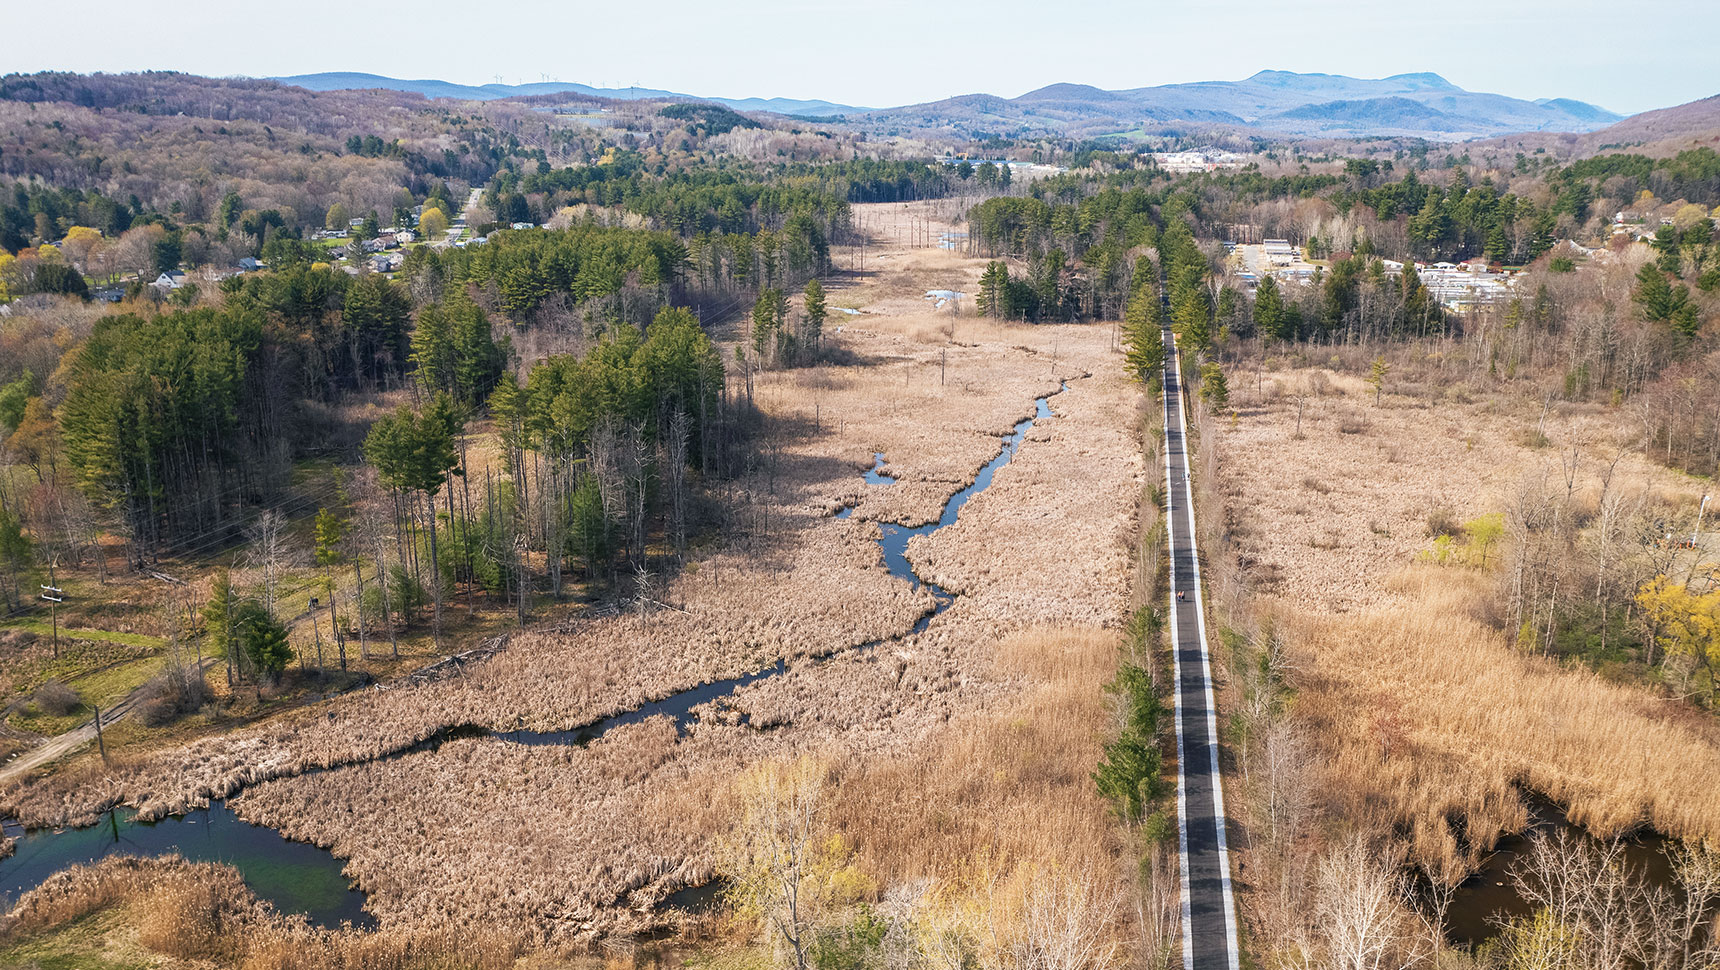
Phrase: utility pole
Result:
[55,596]
[1696,550]
[100,744]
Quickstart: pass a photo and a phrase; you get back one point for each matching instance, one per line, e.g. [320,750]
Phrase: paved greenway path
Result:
[1208,910]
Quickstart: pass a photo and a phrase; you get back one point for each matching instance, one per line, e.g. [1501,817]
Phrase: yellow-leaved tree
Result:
[1684,624]
[785,869]
[79,243]
[433,223]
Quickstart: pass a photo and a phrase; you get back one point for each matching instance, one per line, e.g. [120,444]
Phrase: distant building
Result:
[1206,159]
[249,264]
[169,281]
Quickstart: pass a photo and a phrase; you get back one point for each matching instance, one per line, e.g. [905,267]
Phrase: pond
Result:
[1488,896]
[296,877]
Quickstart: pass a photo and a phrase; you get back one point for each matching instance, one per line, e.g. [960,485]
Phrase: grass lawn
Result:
[45,628]
[99,941]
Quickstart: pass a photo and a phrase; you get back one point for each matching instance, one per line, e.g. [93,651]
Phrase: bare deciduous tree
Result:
[268,552]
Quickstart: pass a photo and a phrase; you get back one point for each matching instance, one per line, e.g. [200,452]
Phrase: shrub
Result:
[1441,521]
[176,691]
[57,699]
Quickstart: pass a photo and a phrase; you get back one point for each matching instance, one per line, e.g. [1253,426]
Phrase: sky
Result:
[1625,56]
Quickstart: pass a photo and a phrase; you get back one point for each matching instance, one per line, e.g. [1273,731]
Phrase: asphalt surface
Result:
[1209,911]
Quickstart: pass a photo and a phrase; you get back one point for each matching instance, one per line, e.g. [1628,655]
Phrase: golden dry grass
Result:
[1429,714]
[1423,715]
[1014,781]
[1332,548]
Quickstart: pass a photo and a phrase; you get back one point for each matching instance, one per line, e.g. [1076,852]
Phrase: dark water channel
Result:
[301,878]
[296,877]
[1487,897]
[893,543]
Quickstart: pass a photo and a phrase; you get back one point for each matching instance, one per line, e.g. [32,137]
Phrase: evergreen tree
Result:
[478,360]
[768,313]
[1193,317]
[1050,285]
[1214,390]
[815,311]
[433,349]
[1377,377]
[261,638]
[218,621]
[1143,334]
[994,291]
[1269,316]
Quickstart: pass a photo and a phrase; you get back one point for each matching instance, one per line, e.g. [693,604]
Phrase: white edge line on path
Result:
[1176,692]
[1206,677]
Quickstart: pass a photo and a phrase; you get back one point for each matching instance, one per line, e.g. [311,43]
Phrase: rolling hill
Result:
[431,88]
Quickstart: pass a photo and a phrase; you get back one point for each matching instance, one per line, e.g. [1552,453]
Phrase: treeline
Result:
[181,422]
[585,262]
[173,422]
[1371,208]
[1076,254]
[42,211]
[603,443]
[1463,221]
[725,198]
[1693,174]
[615,275]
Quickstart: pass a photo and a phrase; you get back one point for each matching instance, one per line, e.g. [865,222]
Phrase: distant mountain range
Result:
[341,81]
[1271,102]
[1278,102]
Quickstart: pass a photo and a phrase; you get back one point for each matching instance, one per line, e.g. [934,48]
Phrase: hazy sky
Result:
[1626,56]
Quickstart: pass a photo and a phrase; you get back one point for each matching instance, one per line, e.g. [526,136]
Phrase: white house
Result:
[169,281]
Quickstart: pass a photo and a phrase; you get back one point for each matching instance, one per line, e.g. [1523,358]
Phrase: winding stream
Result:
[298,877]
